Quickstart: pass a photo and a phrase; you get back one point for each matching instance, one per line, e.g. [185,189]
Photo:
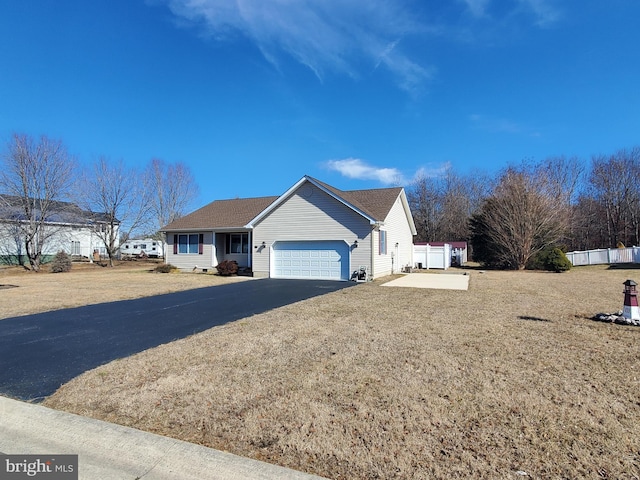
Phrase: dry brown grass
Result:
[507,380]
[89,283]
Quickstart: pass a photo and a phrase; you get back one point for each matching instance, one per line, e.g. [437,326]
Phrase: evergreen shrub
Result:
[61,262]
[552,259]
[557,261]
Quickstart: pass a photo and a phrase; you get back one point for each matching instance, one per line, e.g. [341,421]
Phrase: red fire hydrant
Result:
[630,308]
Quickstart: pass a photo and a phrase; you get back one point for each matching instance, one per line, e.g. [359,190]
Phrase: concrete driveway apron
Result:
[443,281]
[39,353]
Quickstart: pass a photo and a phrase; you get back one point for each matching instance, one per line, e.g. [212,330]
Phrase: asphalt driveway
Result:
[38,353]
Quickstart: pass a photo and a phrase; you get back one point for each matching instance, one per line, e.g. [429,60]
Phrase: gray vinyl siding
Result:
[398,231]
[189,261]
[317,216]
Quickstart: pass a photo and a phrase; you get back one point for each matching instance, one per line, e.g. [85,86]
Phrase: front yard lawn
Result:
[510,379]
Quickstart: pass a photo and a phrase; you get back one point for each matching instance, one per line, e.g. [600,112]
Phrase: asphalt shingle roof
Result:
[236,213]
[11,208]
[375,202]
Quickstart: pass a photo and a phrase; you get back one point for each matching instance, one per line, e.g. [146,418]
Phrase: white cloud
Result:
[339,36]
[431,172]
[477,7]
[357,37]
[358,169]
[544,10]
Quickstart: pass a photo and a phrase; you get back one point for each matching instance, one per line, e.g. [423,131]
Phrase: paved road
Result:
[38,353]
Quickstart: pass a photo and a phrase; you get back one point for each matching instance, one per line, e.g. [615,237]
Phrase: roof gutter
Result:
[208,229]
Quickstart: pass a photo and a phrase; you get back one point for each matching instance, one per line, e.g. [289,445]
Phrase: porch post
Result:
[214,253]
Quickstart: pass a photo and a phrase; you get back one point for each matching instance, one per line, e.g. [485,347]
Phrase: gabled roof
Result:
[235,213]
[11,209]
[373,204]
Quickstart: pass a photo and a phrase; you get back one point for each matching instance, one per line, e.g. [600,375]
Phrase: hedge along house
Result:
[311,231]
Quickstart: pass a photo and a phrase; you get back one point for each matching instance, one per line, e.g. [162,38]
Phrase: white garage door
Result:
[313,260]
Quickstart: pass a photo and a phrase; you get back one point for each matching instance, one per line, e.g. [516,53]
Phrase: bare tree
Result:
[588,224]
[614,185]
[561,176]
[119,201]
[425,200]
[442,205]
[171,188]
[522,217]
[34,177]
[462,196]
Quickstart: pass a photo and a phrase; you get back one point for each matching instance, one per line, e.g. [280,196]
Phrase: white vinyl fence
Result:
[605,256]
[426,256]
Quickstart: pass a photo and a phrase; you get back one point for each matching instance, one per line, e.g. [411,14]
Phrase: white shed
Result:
[432,256]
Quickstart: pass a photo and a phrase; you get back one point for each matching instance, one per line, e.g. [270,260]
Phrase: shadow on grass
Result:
[533,319]
[624,266]
[40,352]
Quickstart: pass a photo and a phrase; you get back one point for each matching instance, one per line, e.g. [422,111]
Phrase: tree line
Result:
[45,182]
[508,219]
[531,207]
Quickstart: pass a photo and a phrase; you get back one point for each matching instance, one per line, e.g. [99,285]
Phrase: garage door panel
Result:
[322,260]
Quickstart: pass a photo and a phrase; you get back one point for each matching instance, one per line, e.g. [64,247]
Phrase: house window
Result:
[383,242]
[188,243]
[237,243]
[75,248]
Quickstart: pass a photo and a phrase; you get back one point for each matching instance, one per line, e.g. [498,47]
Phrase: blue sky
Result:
[254,94]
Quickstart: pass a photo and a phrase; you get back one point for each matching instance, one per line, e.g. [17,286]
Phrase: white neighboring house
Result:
[140,247]
[71,229]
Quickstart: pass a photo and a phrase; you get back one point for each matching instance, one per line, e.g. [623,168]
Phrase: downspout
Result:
[394,259]
[376,228]
[90,253]
[371,275]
